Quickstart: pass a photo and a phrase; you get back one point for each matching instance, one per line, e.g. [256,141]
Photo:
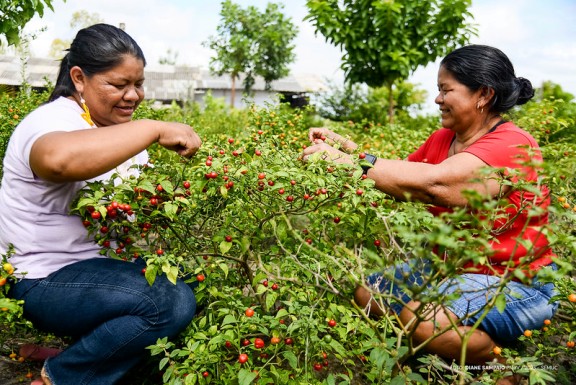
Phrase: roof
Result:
[168,82]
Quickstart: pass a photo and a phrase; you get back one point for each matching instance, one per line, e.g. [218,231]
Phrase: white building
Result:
[167,83]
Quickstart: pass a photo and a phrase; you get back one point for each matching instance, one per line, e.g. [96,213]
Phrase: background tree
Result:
[562,103]
[551,90]
[383,42]
[252,43]
[80,19]
[357,102]
[170,58]
[14,15]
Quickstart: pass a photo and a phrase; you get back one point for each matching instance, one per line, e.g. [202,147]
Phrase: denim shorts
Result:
[527,306]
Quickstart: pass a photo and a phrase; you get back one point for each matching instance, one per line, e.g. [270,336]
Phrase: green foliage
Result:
[386,41]
[14,106]
[252,43]
[383,42]
[550,120]
[259,229]
[15,14]
[356,102]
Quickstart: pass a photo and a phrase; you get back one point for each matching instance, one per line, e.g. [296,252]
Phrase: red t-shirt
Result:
[514,234]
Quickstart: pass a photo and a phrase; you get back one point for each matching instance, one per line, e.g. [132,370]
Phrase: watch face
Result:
[370,158]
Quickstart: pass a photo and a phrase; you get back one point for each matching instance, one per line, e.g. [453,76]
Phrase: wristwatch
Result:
[370,159]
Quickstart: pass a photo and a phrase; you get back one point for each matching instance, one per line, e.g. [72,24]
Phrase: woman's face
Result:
[113,96]
[458,104]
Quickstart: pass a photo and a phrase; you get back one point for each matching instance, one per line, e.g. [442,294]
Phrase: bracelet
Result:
[370,159]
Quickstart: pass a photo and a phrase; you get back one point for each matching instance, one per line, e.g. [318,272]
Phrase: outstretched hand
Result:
[317,135]
[328,153]
[329,144]
[180,138]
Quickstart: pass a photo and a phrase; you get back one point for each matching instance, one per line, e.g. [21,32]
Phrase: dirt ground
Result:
[15,372]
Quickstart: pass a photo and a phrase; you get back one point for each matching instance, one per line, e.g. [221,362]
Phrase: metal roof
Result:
[165,82]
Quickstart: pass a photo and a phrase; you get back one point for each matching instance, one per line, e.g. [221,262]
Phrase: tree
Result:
[357,102]
[170,58]
[252,43]
[385,41]
[551,90]
[80,19]
[14,15]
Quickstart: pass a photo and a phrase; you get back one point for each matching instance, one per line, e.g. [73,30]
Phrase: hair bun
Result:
[525,90]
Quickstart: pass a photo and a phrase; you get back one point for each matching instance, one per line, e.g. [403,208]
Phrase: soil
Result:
[15,372]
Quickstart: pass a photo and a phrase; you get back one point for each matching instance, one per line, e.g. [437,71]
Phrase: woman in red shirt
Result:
[476,85]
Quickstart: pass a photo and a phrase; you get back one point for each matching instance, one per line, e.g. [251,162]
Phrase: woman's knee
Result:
[362,296]
[364,299]
[180,305]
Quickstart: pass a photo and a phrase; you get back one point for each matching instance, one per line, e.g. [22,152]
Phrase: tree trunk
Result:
[233,92]
[390,104]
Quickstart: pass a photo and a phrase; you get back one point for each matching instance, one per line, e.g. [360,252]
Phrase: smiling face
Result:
[458,104]
[112,96]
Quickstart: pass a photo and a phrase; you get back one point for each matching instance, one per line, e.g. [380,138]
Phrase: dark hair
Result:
[478,66]
[95,49]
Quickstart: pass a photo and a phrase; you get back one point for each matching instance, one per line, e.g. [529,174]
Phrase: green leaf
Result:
[398,380]
[146,185]
[271,299]
[225,246]
[167,186]
[291,358]
[171,210]
[225,269]
[501,302]
[151,273]
[379,356]
[163,362]
[173,274]
[245,377]
[229,319]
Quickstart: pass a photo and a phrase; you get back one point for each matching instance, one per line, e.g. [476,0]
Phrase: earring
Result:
[478,108]
[86,115]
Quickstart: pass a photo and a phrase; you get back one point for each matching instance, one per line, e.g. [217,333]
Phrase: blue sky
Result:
[538,36]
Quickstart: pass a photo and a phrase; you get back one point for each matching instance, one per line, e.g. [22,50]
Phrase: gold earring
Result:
[86,115]
[478,108]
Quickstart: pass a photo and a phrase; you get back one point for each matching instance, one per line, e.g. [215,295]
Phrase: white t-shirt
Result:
[34,213]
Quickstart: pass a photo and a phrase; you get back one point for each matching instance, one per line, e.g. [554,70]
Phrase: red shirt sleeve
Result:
[508,147]
[435,148]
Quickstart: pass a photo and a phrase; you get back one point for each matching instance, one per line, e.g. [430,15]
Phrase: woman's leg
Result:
[449,344]
[393,285]
[110,309]
[526,308]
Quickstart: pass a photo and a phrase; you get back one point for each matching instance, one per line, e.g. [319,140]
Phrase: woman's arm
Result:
[439,184]
[80,155]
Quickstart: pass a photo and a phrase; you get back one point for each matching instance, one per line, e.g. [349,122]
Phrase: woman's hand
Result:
[329,153]
[317,135]
[180,138]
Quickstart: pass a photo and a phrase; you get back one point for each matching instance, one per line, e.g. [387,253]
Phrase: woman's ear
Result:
[78,78]
[486,95]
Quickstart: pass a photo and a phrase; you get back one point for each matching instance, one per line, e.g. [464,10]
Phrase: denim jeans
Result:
[527,306]
[110,311]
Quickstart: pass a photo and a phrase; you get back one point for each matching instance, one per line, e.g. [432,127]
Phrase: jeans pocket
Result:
[20,289]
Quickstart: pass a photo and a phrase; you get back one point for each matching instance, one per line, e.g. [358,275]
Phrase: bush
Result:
[277,246]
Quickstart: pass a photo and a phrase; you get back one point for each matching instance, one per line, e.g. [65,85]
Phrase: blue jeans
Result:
[527,306]
[110,311]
